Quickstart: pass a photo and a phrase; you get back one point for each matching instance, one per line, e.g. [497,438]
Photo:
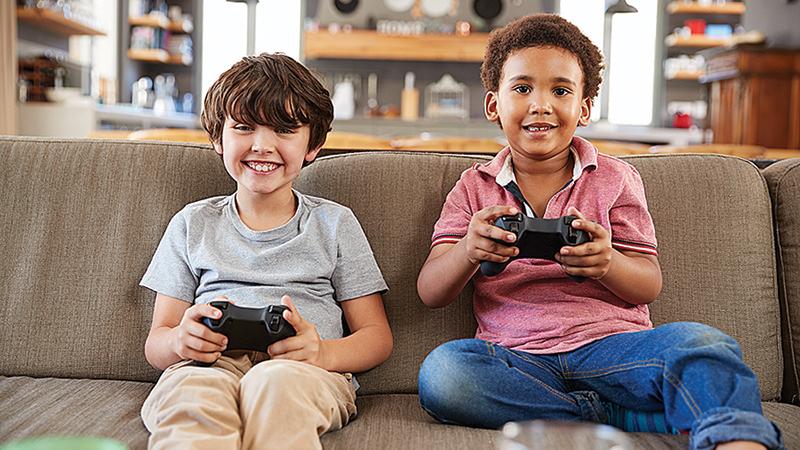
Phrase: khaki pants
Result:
[245,402]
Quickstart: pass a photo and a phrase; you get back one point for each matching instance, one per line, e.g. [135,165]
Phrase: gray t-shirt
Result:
[319,258]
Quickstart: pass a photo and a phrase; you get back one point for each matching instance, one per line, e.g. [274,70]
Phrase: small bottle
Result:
[409,99]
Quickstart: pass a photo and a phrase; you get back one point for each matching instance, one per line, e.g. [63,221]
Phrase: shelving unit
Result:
[157,55]
[159,21]
[686,75]
[55,22]
[51,30]
[150,62]
[371,45]
[694,41]
[684,84]
[681,7]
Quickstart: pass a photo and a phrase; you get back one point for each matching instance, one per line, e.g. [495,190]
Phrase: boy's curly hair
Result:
[271,90]
[542,30]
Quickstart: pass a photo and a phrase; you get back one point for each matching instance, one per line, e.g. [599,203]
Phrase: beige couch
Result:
[82,218]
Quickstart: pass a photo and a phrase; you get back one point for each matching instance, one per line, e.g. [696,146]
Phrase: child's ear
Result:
[312,154]
[217,147]
[490,106]
[586,112]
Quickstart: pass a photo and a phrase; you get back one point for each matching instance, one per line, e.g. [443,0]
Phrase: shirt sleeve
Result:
[631,224]
[356,273]
[455,216]
[170,272]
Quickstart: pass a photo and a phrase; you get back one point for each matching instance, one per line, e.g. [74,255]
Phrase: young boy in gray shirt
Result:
[267,117]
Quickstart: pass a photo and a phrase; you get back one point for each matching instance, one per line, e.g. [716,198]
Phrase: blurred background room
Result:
[683,75]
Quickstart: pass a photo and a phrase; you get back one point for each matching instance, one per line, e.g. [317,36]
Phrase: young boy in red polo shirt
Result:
[547,347]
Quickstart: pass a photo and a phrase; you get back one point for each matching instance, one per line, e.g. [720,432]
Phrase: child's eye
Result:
[522,89]
[242,127]
[560,92]
[284,131]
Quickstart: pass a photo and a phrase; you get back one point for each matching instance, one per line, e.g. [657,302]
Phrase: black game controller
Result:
[249,328]
[536,238]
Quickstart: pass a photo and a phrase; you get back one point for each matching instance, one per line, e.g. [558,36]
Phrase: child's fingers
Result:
[597,232]
[573,211]
[199,330]
[292,315]
[202,345]
[492,213]
[495,248]
[482,255]
[286,345]
[197,312]
[496,233]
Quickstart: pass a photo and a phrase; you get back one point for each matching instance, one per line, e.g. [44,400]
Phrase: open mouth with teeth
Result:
[261,167]
[538,128]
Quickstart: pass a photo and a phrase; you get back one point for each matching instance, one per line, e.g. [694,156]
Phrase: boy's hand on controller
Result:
[305,346]
[482,234]
[592,259]
[193,340]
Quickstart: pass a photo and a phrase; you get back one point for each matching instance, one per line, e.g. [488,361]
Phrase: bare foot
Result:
[741,445]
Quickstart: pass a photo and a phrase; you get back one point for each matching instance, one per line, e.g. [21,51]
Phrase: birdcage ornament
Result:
[447,98]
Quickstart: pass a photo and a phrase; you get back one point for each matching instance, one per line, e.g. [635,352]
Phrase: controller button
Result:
[274,323]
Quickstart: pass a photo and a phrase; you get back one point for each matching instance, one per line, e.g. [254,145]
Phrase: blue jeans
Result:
[691,372]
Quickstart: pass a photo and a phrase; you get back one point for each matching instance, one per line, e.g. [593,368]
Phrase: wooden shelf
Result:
[160,21]
[55,22]
[695,40]
[366,44]
[157,55]
[681,7]
[686,75]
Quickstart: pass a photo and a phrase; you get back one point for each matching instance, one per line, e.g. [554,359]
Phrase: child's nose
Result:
[264,142]
[540,105]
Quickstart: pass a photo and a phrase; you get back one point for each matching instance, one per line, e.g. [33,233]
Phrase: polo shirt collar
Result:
[501,170]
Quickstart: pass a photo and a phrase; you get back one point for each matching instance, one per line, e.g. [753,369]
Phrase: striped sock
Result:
[637,421]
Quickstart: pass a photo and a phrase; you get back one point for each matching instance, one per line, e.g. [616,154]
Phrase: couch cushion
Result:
[81,221]
[783,179]
[396,422]
[71,407]
[713,223]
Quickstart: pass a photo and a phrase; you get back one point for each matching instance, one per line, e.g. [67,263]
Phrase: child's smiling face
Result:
[264,161]
[539,101]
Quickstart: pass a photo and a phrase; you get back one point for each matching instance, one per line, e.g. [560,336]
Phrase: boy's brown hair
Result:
[542,30]
[270,89]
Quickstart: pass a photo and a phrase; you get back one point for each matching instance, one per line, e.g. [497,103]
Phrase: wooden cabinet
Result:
[755,97]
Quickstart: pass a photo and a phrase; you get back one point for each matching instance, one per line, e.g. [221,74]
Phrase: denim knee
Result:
[699,335]
[445,382]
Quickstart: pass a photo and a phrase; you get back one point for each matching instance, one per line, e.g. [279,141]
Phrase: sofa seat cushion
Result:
[81,407]
[73,407]
[397,422]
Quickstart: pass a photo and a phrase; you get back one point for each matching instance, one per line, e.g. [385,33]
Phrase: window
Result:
[278,26]
[633,45]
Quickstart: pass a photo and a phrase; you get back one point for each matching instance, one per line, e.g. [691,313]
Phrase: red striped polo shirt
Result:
[532,305]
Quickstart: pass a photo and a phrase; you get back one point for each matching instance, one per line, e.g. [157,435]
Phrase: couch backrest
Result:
[783,179]
[83,218]
[713,223]
[81,221]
